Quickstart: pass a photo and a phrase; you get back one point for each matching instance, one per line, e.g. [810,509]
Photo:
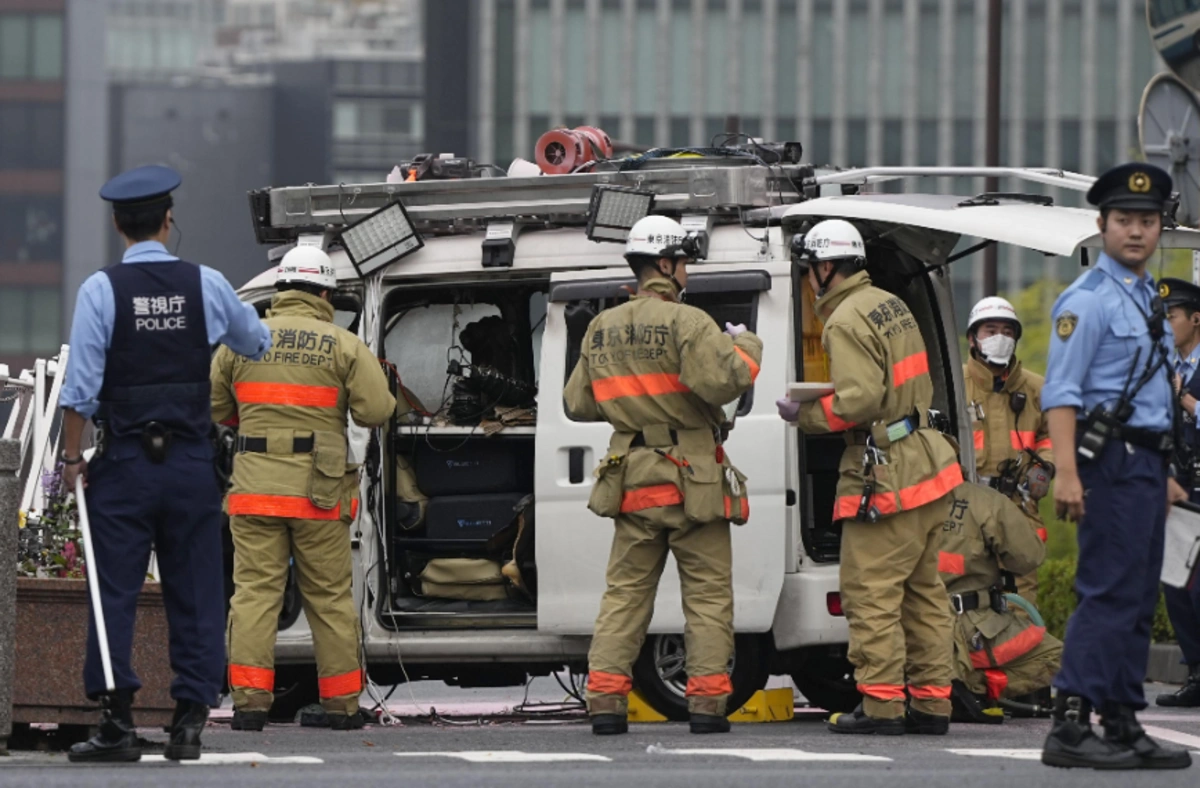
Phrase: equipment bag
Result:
[473,579]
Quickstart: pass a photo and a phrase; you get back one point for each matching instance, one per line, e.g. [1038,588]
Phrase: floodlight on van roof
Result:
[380,238]
[614,210]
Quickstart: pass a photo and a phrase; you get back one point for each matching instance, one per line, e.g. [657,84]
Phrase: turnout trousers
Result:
[704,558]
[174,509]
[321,551]
[1120,560]
[1023,675]
[895,604]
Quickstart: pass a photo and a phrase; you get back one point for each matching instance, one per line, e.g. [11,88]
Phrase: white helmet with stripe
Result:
[834,239]
[306,265]
[993,308]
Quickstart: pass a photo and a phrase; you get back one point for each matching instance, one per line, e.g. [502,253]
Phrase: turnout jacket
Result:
[659,371]
[879,369]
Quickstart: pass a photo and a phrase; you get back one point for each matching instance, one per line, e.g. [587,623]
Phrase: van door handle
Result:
[575,465]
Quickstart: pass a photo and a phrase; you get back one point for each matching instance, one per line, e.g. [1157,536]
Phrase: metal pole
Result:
[10,498]
[990,284]
[93,581]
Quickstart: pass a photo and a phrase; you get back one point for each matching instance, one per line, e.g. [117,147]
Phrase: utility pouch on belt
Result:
[737,500]
[328,472]
[473,579]
[704,485]
[156,439]
[609,488]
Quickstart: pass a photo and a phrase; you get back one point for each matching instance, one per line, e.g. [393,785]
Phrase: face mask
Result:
[997,349]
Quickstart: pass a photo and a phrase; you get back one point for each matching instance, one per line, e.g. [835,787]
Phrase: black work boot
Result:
[1121,727]
[117,740]
[1072,744]
[707,715]
[609,724]
[248,720]
[916,721]
[189,721]
[1187,696]
[345,722]
[609,715]
[857,721]
[966,707]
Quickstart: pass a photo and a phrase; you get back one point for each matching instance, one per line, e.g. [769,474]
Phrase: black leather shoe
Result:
[248,720]
[927,724]
[708,723]
[117,741]
[1187,696]
[189,721]
[965,706]
[857,721]
[346,722]
[609,724]
[1072,744]
[1121,727]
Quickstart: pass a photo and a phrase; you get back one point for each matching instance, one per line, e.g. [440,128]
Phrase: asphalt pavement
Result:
[475,740]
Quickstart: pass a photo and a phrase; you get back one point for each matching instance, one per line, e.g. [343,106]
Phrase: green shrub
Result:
[1056,601]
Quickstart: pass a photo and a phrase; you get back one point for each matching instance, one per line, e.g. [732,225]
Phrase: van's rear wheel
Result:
[659,673]
[826,679]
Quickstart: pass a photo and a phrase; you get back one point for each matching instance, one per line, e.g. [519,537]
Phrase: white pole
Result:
[1196,266]
[93,581]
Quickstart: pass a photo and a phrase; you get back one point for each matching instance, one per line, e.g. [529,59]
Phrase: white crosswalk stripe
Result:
[776,754]
[508,756]
[228,758]
[1020,755]
[1166,734]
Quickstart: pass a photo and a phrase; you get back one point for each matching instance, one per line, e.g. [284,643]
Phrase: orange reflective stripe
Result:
[847,505]
[1044,443]
[1009,650]
[906,369]
[354,509]
[609,683]
[294,506]
[997,682]
[348,683]
[978,436]
[951,563]
[707,686]
[650,497]
[882,691]
[1043,534]
[836,424]
[286,394]
[931,489]
[250,677]
[743,502]
[749,362]
[928,692]
[1022,439]
[648,385]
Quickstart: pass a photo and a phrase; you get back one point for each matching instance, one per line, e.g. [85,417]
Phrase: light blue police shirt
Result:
[227,319]
[1097,329]
[1186,367]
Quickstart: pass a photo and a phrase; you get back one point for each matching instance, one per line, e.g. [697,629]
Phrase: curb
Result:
[1165,664]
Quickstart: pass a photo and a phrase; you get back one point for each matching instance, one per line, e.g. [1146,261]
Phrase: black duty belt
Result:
[1161,442]
[640,439]
[973,600]
[259,445]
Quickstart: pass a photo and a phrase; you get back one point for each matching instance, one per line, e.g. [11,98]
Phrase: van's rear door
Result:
[573,544]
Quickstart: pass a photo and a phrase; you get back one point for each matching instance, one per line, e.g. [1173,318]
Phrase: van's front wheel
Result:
[659,673]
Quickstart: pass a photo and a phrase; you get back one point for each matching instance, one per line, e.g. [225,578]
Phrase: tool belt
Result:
[973,600]
[259,445]
[660,435]
[891,432]
[1161,442]
[156,439]
[640,439]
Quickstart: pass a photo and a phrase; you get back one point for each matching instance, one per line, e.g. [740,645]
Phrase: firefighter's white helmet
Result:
[993,308]
[654,235]
[306,265]
[834,239]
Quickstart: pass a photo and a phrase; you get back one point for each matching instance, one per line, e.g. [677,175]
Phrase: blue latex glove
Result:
[788,410]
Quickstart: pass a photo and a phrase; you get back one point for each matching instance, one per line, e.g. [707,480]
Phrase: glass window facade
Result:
[31,47]
[30,320]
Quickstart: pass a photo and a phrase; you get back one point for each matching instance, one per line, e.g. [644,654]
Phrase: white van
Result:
[549,281]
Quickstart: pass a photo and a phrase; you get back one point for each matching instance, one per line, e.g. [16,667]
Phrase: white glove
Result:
[733,330]
[788,410]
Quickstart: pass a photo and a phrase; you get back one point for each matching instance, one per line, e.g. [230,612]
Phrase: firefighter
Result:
[140,345]
[659,371]
[294,490]
[1012,441]
[894,477]
[997,654]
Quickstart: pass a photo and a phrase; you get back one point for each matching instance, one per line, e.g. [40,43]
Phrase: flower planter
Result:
[51,643]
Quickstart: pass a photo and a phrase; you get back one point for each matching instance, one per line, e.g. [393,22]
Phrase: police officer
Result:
[659,371]
[294,491]
[140,345]
[1012,445]
[1109,404]
[894,477]
[1182,300]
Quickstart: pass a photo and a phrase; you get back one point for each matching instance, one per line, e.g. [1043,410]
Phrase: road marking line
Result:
[777,754]
[1020,755]
[1186,739]
[227,758]
[508,756]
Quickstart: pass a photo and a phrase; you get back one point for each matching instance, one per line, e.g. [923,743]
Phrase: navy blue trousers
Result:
[1183,608]
[174,508]
[1120,560]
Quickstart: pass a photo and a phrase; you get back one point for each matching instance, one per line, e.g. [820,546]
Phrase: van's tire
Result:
[295,688]
[827,681]
[659,676]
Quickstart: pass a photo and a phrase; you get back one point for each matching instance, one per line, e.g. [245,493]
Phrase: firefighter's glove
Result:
[788,410]
[733,330]
[1038,482]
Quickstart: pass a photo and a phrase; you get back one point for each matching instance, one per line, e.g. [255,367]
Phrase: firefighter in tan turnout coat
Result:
[895,475]
[294,491]
[659,371]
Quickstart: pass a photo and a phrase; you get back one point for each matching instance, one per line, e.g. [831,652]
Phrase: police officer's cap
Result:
[1178,292]
[1131,187]
[141,186]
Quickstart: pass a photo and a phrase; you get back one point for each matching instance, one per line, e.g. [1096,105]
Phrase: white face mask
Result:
[997,349]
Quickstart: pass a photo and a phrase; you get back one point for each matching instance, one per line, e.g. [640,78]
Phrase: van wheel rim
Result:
[670,663]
